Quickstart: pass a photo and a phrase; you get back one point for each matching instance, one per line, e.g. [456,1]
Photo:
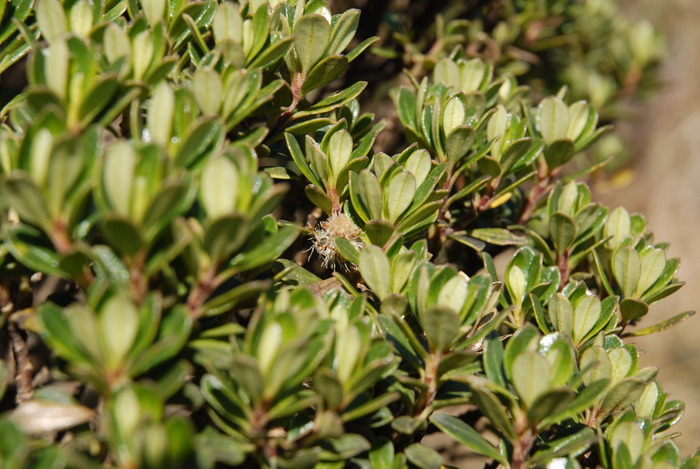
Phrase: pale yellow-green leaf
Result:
[154,10]
[339,151]
[472,75]
[57,65]
[595,364]
[617,226]
[627,269]
[52,20]
[579,115]
[39,156]
[496,130]
[398,195]
[83,323]
[81,18]
[119,322]
[208,90]
[347,351]
[375,270]
[645,405]
[228,24]
[37,417]
[531,376]
[653,264]
[116,43]
[419,164]
[219,187]
[621,363]
[454,293]
[127,411]
[632,435]
[160,114]
[141,61]
[270,344]
[586,315]
[561,313]
[447,72]
[552,119]
[453,114]
[118,176]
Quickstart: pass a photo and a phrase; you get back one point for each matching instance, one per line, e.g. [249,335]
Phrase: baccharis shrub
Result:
[212,258]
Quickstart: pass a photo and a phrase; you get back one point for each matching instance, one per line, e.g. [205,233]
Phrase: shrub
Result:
[208,261]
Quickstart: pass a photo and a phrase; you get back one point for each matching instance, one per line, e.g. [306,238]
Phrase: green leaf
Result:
[585,399]
[552,119]
[24,196]
[249,376]
[347,250]
[345,447]
[319,198]
[227,300]
[208,90]
[595,364]
[568,445]
[59,333]
[398,195]
[324,72]
[627,269]
[498,236]
[376,270]
[459,142]
[266,251]
[381,456]
[370,194]
[493,410]
[562,230]
[653,263]
[662,326]
[312,33]
[218,188]
[559,153]
[119,325]
[333,101]
[588,311]
[466,435]
[441,325]
[122,235]
[622,394]
[524,339]
[550,404]
[52,20]
[361,47]
[26,244]
[531,376]
[631,309]
[423,457]
[225,235]
[344,30]
[172,199]
[493,359]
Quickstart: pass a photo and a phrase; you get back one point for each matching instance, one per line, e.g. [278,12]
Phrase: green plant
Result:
[207,261]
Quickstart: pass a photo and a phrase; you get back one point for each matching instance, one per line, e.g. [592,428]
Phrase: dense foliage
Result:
[211,257]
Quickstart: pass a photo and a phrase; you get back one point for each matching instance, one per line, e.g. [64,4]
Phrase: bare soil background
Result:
[665,187]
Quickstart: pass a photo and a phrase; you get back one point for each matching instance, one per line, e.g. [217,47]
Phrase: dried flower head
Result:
[337,225]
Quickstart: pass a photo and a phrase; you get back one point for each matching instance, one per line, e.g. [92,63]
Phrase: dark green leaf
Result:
[423,457]
[466,435]
[327,70]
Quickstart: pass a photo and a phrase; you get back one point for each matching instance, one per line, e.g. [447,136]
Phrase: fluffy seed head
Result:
[337,225]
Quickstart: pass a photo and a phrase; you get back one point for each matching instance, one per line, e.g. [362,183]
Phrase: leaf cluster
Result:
[207,260]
